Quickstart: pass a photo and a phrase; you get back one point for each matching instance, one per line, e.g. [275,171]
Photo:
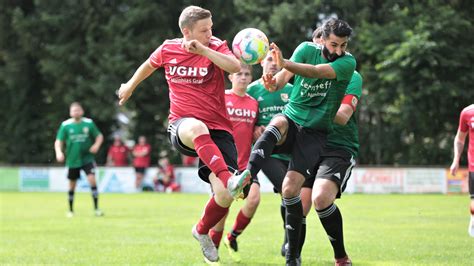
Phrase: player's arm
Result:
[126,89]
[98,141]
[58,148]
[227,63]
[277,82]
[459,141]
[346,109]
[321,71]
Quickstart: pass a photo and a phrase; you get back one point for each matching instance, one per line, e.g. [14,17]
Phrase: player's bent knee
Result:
[280,122]
[322,201]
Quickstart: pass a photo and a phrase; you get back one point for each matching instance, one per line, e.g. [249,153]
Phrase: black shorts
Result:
[223,140]
[75,173]
[305,145]
[140,170]
[335,165]
[471,184]
[275,170]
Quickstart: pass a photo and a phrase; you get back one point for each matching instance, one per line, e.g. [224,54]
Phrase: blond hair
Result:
[190,15]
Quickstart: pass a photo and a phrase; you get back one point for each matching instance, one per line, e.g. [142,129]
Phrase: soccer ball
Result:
[250,46]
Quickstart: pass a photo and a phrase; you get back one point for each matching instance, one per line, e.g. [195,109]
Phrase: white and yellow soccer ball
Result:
[250,46]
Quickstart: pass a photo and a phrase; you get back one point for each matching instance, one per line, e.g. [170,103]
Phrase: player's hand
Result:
[124,93]
[194,47]
[60,157]
[269,82]
[277,55]
[454,168]
[94,149]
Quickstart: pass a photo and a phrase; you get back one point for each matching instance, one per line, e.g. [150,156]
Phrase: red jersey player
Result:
[117,155]
[243,113]
[141,160]
[194,68]
[466,126]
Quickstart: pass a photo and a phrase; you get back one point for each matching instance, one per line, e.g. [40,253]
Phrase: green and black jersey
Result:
[314,102]
[78,137]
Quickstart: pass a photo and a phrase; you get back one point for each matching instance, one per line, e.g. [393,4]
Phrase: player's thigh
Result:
[307,150]
[275,170]
[225,143]
[190,128]
[333,174]
[90,169]
[180,134]
[73,174]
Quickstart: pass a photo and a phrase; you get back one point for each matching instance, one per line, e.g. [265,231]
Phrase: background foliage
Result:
[415,58]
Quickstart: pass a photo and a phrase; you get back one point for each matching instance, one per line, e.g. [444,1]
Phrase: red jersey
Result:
[142,161]
[243,113]
[196,84]
[466,123]
[119,155]
[168,170]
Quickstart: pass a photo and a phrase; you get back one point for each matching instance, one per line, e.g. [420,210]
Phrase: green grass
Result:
[145,229]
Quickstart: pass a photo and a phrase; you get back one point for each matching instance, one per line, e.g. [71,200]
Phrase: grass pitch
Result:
[155,229]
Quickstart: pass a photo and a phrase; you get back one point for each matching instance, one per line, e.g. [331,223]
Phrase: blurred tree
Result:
[414,57]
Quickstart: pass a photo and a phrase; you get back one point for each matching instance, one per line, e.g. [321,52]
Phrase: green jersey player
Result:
[321,75]
[83,140]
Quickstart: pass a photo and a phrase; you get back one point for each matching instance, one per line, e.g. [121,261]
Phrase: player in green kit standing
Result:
[83,140]
[302,128]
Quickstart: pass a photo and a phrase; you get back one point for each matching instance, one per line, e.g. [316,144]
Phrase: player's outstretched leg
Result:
[263,148]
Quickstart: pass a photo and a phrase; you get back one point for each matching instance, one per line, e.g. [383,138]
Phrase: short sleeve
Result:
[156,58]
[355,85]
[463,126]
[299,54]
[61,135]
[94,130]
[223,48]
[344,67]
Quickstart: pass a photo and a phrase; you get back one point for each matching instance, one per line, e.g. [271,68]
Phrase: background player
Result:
[466,126]
[199,126]
[83,140]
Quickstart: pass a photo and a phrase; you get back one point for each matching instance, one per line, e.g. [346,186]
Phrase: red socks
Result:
[212,214]
[210,154]
[216,237]
[240,224]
